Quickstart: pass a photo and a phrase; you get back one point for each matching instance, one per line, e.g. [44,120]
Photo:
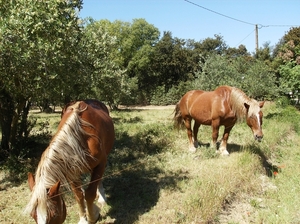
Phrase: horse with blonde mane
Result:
[224,106]
[81,145]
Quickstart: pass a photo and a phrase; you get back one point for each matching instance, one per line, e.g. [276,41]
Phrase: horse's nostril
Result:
[258,137]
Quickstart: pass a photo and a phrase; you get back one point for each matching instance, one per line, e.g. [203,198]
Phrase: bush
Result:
[172,96]
[253,77]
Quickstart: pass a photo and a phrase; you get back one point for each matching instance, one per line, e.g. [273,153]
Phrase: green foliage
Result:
[290,79]
[120,52]
[161,96]
[253,77]
[216,71]
[171,62]
[39,57]
[293,35]
[259,82]
[288,113]
[37,43]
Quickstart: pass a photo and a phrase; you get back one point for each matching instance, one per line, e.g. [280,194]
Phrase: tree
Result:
[109,81]
[216,70]
[38,42]
[287,63]
[237,52]
[290,79]
[130,52]
[252,76]
[210,46]
[171,61]
[294,35]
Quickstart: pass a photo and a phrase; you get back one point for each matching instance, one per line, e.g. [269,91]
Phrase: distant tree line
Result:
[49,56]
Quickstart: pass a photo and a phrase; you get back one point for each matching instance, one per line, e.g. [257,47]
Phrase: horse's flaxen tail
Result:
[178,120]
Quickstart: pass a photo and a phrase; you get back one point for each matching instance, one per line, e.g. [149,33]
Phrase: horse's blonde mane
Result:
[64,160]
[237,100]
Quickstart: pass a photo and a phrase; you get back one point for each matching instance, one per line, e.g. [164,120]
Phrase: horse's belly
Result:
[204,120]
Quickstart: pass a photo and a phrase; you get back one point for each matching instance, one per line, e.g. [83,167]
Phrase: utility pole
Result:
[256,38]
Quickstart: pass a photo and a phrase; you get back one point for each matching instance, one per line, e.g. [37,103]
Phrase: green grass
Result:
[153,178]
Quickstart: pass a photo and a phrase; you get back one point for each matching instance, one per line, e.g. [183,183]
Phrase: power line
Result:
[245,37]
[257,26]
[229,17]
[238,20]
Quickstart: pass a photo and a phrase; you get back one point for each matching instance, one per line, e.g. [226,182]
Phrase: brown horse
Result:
[82,143]
[224,106]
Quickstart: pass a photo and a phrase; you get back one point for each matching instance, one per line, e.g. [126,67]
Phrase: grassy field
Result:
[153,178]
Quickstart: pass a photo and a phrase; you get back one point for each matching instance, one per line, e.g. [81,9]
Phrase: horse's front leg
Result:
[101,195]
[79,196]
[93,211]
[223,145]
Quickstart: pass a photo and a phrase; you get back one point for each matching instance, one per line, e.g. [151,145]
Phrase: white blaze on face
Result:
[254,111]
[258,120]
[41,215]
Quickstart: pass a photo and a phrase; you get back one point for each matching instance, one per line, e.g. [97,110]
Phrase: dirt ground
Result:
[150,107]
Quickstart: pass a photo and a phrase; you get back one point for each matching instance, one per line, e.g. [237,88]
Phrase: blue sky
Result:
[188,21]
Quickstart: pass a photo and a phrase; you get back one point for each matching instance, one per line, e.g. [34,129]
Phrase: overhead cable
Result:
[220,13]
[229,17]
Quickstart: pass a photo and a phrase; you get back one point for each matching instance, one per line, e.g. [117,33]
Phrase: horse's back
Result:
[95,113]
[188,99]
[92,102]
[97,105]
[98,116]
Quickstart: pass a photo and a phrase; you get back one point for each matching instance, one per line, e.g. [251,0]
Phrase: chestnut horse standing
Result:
[224,106]
[82,143]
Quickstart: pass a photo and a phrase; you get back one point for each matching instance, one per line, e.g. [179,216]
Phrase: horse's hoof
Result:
[192,149]
[83,220]
[225,153]
[94,222]
[196,144]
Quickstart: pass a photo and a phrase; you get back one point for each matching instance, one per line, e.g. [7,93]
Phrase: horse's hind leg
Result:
[187,123]
[215,133]
[195,130]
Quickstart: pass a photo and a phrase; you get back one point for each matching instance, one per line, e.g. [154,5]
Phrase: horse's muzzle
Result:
[258,137]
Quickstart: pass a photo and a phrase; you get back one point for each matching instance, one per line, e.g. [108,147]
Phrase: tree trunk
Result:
[24,132]
[6,117]
[15,121]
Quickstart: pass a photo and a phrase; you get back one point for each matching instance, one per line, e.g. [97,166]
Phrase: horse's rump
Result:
[92,102]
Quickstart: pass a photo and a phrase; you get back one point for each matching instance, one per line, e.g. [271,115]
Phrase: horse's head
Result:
[56,212]
[254,118]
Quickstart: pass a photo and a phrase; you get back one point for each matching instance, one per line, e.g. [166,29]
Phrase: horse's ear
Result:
[261,104]
[54,190]
[31,181]
[246,106]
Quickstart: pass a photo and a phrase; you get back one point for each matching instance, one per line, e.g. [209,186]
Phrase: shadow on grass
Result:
[22,160]
[254,148]
[136,191]
[134,179]
[271,169]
